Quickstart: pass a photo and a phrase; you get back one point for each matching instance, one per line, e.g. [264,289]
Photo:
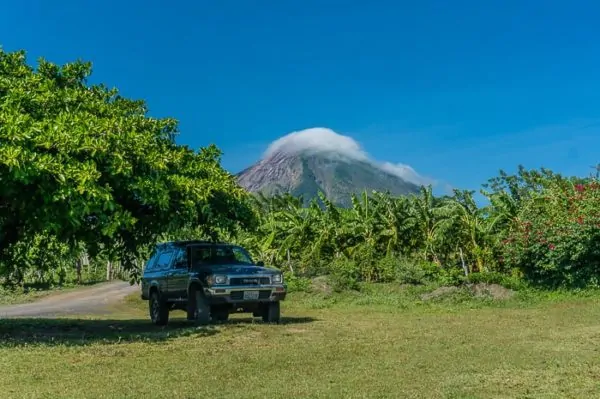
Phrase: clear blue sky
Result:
[456,89]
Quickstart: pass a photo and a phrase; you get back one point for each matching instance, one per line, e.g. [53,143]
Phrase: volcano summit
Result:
[319,159]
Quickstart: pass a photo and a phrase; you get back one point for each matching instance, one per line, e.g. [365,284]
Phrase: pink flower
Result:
[552,247]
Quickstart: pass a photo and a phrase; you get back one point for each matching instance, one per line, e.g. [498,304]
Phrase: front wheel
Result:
[159,312]
[271,312]
[198,310]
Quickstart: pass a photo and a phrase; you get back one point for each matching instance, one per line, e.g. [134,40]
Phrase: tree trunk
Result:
[78,267]
[462,260]
[289,262]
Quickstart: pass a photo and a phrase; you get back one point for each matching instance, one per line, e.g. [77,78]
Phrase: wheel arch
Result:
[197,286]
[153,288]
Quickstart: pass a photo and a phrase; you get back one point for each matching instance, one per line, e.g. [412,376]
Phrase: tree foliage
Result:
[83,166]
[537,224]
[85,170]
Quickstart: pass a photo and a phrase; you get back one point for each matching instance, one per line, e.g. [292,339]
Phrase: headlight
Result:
[217,279]
[277,279]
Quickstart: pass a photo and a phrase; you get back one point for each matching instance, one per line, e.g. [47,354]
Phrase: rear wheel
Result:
[198,310]
[271,312]
[159,311]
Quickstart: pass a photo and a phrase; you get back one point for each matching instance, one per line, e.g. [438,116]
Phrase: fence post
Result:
[462,260]
[108,270]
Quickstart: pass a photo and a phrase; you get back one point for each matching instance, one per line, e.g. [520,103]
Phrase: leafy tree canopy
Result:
[86,166]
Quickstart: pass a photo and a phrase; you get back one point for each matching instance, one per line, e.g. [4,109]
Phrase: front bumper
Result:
[245,294]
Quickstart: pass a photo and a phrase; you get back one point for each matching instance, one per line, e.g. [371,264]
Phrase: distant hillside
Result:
[308,172]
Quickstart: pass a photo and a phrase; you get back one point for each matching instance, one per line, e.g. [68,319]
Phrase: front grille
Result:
[239,295]
[264,294]
[249,280]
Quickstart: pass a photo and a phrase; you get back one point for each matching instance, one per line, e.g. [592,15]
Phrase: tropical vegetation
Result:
[535,226]
[88,180]
[84,170]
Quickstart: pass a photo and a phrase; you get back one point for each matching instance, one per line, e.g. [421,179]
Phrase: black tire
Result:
[198,309]
[159,311]
[220,314]
[271,312]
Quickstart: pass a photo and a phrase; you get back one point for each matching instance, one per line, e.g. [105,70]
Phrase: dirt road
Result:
[87,300]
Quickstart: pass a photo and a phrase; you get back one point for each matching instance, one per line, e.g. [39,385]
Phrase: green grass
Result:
[379,343]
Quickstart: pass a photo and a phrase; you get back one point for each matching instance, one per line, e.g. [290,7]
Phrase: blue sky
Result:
[456,89]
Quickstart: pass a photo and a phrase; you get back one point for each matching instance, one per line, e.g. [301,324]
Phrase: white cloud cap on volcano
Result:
[320,139]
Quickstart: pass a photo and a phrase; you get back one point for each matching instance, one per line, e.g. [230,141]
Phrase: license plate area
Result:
[250,295]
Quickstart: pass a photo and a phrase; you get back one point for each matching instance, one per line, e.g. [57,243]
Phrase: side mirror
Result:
[260,263]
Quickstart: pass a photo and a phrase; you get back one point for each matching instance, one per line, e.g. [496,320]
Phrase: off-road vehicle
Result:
[209,281]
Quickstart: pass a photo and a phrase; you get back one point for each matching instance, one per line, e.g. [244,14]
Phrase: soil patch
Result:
[438,293]
[480,290]
[495,291]
[321,285]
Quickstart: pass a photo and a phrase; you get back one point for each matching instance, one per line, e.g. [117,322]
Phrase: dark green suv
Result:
[209,281]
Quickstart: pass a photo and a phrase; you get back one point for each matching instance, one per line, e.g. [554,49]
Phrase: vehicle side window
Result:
[201,256]
[164,260]
[181,259]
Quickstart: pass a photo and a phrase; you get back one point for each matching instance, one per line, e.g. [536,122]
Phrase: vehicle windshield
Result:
[220,255]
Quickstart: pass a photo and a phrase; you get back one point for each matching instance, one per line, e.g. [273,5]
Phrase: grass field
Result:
[353,345]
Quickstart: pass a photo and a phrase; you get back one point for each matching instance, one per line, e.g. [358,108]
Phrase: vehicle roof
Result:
[193,242]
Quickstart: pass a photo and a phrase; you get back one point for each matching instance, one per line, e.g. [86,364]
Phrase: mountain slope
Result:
[308,172]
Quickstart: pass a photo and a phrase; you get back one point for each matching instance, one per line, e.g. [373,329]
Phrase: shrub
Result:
[295,283]
[410,271]
[345,274]
[383,270]
[450,276]
[557,239]
[509,281]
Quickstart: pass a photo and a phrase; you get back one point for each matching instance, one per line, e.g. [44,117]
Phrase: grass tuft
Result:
[381,341]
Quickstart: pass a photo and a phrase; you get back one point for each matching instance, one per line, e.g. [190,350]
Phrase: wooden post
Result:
[462,259]
[108,270]
[78,267]
[289,262]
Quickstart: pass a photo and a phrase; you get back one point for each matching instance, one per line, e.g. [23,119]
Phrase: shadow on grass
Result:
[27,287]
[79,332]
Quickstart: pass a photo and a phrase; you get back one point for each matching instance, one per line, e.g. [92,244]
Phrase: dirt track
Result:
[80,301]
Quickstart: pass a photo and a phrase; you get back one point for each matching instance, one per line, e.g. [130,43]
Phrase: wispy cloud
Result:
[407,173]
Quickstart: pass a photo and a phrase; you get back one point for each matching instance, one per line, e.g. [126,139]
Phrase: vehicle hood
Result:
[234,269]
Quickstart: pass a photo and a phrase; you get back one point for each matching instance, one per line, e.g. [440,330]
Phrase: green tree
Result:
[84,165]
[430,216]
